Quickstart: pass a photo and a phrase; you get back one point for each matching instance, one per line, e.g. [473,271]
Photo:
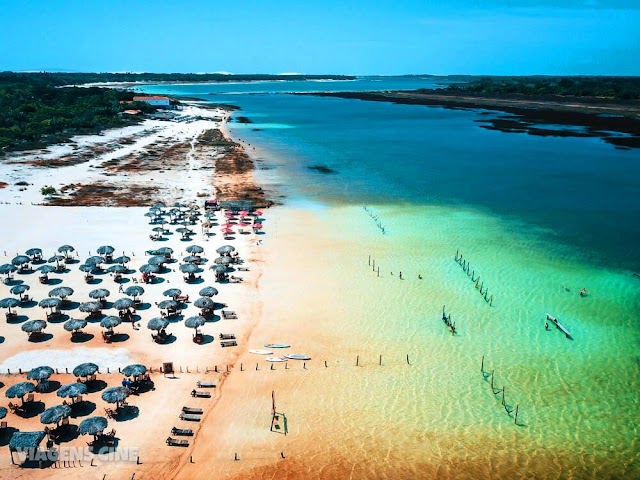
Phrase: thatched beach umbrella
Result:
[9,303]
[158,260]
[115,395]
[134,291]
[90,307]
[95,260]
[189,268]
[225,249]
[46,269]
[203,302]
[105,250]
[33,251]
[166,304]
[92,426]
[7,269]
[226,261]
[117,269]
[40,373]
[157,323]
[25,441]
[172,292]
[3,412]
[194,249]
[192,259]
[72,390]
[110,322]
[74,324]
[62,292]
[123,303]
[55,414]
[195,322]
[122,259]
[56,258]
[20,260]
[85,369]
[99,294]
[33,326]
[164,251]
[66,249]
[86,268]
[218,268]
[19,390]
[19,290]
[147,268]
[208,292]
[134,370]
[50,302]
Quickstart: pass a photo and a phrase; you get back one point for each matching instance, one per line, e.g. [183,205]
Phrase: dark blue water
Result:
[582,191]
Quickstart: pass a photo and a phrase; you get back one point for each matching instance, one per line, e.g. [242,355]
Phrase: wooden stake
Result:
[482,364]
[515,419]
[408,359]
[380,361]
[357,360]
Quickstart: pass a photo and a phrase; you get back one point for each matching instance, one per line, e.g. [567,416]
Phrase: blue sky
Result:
[502,37]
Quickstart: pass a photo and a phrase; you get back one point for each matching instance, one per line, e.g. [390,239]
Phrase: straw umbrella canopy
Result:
[34,326]
[105,250]
[122,259]
[117,268]
[134,291]
[158,260]
[3,412]
[225,249]
[19,289]
[157,323]
[115,395]
[72,390]
[189,268]
[168,304]
[192,259]
[195,322]
[40,373]
[9,303]
[74,324]
[66,249]
[164,251]
[50,302]
[203,302]
[158,229]
[208,292]
[19,390]
[20,260]
[55,414]
[7,268]
[99,294]
[85,369]
[62,292]
[47,269]
[226,261]
[92,426]
[95,260]
[33,251]
[194,249]
[86,268]
[218,268]
[148,268]
[56,258]
[90,307]
[110,322]
[123,303]
[134,370]
[172,292]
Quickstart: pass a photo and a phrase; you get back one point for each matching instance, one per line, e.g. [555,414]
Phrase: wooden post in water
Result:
[380,361]
[357,360]
[374,264]
[369,260]
[490,300]
[408,359]
[492,371]
[515,418]
[477,280]
[482,364]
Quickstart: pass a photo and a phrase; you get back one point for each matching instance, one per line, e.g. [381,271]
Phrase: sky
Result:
[358,37]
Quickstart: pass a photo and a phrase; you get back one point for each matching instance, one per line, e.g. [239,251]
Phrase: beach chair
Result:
[229,315]
[185,432]
[78,399]
[227,336]
[91,378]
[243,269]
[13,407]
[205,384]
[112,433]
[190,417]
[193,410]
[65,421]
[182,298]
[228,343]
[174,442]
[3,425]
[200,394]
[109,412]
[29,398]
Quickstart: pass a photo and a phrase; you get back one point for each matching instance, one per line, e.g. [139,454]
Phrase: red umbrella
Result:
[226,230]
[256,213]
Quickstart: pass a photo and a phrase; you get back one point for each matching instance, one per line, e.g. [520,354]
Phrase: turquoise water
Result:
[539,218]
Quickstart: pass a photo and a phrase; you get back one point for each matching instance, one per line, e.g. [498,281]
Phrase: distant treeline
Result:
[36,113]
[618,88]
[57,79]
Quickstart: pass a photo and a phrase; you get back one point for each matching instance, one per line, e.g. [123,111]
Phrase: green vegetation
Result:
[36,113]
[48,190]
[617,88]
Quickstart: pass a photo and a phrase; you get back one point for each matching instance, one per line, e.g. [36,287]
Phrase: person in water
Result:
[546,325]
[583,292]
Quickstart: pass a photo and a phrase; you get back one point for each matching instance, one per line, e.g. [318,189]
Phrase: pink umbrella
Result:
[257,225]
[226,230]
[243,213]
[256,213]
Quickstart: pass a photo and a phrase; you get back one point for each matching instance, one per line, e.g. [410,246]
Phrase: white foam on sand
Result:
[68,358]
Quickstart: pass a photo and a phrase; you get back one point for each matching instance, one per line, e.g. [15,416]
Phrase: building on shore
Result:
[155,100]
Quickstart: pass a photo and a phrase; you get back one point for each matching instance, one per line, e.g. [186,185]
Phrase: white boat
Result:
[276,345]
[297,356]
[276,359]
[261,352]
[561,327]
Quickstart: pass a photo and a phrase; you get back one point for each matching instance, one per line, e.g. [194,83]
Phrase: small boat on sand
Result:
[276,359]
[261,352]
[297,356]
[561,327]
[276,345]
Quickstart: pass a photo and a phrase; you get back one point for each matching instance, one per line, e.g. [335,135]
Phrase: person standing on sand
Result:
[400,275]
